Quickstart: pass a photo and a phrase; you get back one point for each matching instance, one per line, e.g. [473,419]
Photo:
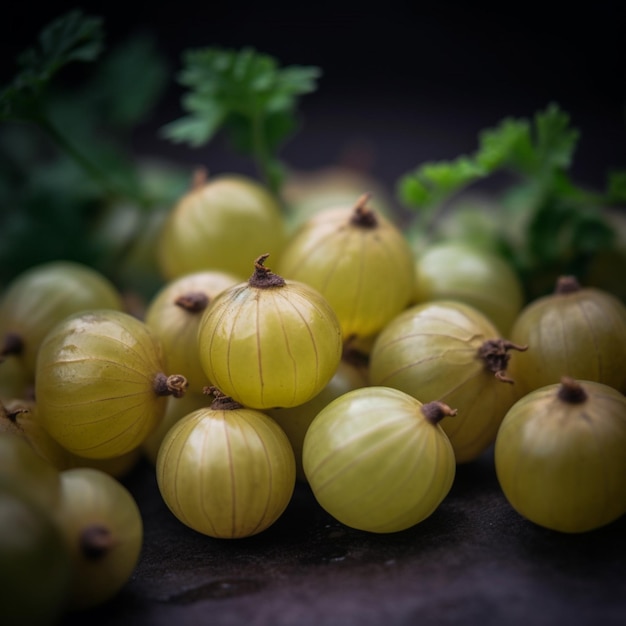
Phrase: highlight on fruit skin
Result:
[358,259]
[100,385]
[451,351]
[378,460]
[225,470]
[560,455]
[270,342]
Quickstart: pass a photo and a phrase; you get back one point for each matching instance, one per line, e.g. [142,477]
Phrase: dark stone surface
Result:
[474,561]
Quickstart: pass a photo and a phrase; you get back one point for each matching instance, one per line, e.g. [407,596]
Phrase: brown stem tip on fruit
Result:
[263,277]
[193,302]
[362,215]
[567,284]
[199,178]
[495,355]
[95,542]
[435,411]
[174,385]
[221,401]
[571,391]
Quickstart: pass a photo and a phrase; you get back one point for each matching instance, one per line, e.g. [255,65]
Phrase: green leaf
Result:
[126,85]
[616,187]
[555,140]
[508,145]
[247,95]
[70,38]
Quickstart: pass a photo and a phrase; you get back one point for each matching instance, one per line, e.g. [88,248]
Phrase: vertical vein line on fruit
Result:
[204,465]
[174,492]
[283,327]
[231,471]
[259,347]
[270,487]
[598,360]
[232,339]
[309,331]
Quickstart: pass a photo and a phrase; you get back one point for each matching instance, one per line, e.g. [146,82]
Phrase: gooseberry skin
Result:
[24,470]
[36,568]
[220,224]
[103,529]
[95,383]
[296,420]
[270,346]
[363,266]
[455,270]
[375,462]
[562,465]
[44,295]
[432,352]
[226,473]
[174,314]
[578,331]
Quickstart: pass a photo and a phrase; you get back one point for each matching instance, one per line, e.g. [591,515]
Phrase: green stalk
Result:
[95,173]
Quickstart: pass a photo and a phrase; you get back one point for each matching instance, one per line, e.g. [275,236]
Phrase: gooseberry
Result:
[377,460]
[220,224]
[44,295]
[174,315]
[225,470]
[103,530]
[449,351]
[455,270]
[560,455]
[575,331]
[358,260]
[100,385]
[269,342]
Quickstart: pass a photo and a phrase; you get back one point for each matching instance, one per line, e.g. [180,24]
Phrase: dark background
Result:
[403,82]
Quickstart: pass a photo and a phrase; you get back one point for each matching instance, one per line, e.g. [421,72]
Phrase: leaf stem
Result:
[95,173]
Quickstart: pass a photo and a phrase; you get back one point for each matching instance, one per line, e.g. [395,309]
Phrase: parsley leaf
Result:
[72,37]
[246,94]
[562,225]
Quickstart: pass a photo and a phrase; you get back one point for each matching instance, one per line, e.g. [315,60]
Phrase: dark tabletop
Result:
[402,86]
[474,561]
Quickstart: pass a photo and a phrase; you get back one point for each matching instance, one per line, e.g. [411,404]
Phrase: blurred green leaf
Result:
[246,94]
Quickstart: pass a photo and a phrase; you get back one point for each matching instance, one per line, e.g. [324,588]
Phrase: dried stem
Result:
[263,277]
[435,411]
[174,385]
[495,355]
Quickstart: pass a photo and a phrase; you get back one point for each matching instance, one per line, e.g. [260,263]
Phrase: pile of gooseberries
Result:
[359,368]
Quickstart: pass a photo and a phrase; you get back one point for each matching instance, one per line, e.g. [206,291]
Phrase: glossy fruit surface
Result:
[296,420]
[449,351]
[576,331]
[269,342]
[103,528]
[42,296]
[35,566]
[24,470]
[100,385]
[174,315]
[560,455]
[176,409]
[376,461]
[221,224]
[455,270]
[226,472]
[358,260]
